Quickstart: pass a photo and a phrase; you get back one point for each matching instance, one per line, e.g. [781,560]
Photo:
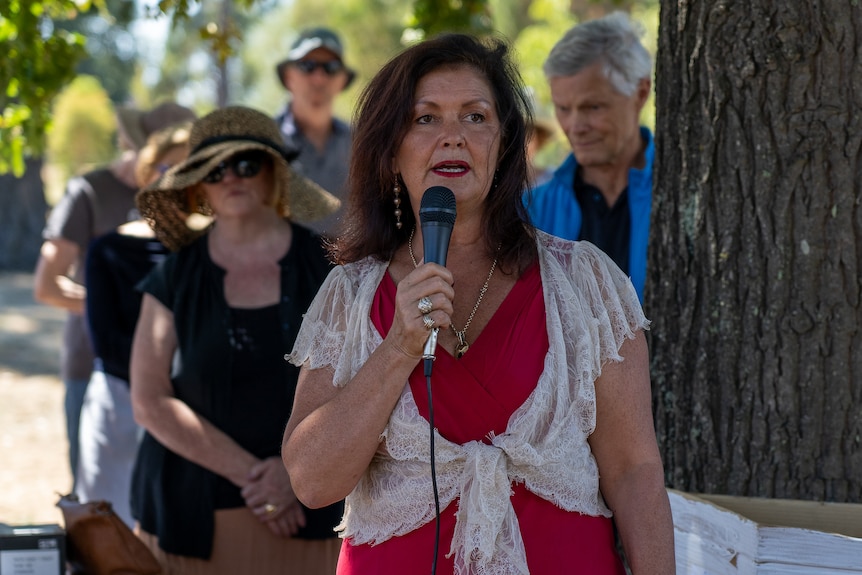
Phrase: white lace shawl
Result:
[590,306]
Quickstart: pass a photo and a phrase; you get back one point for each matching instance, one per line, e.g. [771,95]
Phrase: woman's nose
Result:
[453,135]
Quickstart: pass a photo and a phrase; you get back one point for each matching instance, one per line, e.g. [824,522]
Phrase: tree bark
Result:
[22,216]
[756,248]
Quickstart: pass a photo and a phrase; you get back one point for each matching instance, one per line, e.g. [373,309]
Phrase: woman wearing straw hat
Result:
[209,382]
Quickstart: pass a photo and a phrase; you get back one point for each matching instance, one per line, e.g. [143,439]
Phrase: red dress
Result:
[482,390]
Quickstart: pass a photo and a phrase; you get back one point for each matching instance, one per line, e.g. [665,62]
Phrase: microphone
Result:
[437,217]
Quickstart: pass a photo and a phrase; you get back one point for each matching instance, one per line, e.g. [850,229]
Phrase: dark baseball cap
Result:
[315,38]
[309,40]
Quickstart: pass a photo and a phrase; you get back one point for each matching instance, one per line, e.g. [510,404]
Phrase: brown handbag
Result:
[98,542]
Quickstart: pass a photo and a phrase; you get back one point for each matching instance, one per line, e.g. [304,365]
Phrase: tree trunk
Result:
[22,216]
[756,248]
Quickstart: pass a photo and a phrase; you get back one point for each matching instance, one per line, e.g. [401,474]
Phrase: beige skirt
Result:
[244,545]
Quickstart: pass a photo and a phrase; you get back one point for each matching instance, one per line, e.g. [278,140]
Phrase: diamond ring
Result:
[425,306]
[428,321]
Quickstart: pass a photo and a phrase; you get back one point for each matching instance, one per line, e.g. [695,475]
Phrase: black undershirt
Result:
[608,227]
[259,395]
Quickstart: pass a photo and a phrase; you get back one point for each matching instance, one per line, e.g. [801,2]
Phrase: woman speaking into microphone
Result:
[541,394]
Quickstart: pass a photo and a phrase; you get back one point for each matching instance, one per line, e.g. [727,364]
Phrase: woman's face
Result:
[241,184]
[453,139]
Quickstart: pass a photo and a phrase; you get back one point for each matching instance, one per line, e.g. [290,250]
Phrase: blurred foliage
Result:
[548,21]
[84,123]
[590,9]
[435,16]
[199,63]
[38,61]
[221,35]
[45,44]
[511,16]
[112,50]
[647,13]
[180,67]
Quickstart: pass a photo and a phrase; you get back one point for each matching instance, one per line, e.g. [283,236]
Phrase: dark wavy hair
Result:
[383,116]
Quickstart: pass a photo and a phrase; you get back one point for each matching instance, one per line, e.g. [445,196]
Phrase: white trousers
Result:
[108,444]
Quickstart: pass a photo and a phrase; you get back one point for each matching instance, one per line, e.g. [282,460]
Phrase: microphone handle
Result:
[430,349]
[435,236]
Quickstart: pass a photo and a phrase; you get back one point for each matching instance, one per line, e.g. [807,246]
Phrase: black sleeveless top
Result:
[229,368]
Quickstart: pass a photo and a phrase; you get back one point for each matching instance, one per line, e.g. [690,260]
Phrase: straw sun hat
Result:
[171,203]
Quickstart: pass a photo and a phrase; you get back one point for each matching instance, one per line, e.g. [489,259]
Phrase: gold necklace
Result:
[462,346]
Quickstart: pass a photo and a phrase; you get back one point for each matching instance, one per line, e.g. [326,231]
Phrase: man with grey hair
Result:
[600,78]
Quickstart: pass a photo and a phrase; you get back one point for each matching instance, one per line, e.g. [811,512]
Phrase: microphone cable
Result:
[433,475]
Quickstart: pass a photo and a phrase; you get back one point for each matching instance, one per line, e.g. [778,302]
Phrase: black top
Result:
[607,227]
[115,264]
[256,419]
[172,497]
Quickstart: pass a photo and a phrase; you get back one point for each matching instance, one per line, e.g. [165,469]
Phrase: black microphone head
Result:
[437,205]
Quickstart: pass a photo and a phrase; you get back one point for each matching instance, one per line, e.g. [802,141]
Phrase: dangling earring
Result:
[396,189]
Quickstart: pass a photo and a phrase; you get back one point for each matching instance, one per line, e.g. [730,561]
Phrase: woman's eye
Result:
[426,119]
[476,117]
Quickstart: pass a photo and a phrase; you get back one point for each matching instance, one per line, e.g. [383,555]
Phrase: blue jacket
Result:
[553,208]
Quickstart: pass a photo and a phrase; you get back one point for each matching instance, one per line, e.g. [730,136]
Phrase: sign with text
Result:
[32,550]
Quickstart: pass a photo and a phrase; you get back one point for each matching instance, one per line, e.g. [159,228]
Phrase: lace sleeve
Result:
[611,297]
[336,330]
[591,287]
[321,337]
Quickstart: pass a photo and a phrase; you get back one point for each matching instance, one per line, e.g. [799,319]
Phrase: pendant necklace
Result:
[462,346]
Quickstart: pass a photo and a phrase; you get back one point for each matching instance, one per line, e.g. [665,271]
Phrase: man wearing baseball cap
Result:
[314,73]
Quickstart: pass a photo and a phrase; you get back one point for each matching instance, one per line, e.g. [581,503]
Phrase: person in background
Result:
[116,262]
[314,73]
[600,78]
[542,426]
[94,204]
[210,384]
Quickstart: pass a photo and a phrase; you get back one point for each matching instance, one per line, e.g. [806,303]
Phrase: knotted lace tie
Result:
[487,537]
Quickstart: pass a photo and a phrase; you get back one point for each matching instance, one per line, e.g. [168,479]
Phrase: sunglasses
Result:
[331,67]
[243,165]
